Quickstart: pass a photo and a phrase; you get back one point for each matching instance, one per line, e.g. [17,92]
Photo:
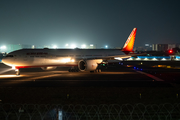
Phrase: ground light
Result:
[163,59]
[9,76]
[154,59]
[138,58]
[6,70]
[60,115]
[130,59]
[145,59]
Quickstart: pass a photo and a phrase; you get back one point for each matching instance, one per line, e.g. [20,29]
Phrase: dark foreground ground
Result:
[117,84]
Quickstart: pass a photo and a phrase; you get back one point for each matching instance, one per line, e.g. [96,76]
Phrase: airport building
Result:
[159,47]
[164,47]
[171,46]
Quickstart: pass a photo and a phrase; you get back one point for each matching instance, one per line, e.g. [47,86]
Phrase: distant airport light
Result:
[54,46]
[91,45]
[73,46]
[67,45]
[3,47]
[170,51]
[33,46]
[106,46]
[83,46]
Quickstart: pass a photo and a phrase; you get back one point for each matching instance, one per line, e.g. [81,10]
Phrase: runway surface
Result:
[116,84]
[111,76]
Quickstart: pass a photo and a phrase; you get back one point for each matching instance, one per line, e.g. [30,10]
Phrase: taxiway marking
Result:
[151,76]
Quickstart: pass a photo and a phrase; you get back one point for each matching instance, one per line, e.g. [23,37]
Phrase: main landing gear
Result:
[74,69]
[96,71]
[17,72]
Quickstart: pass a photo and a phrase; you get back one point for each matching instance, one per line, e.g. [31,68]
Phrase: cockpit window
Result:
[9,56]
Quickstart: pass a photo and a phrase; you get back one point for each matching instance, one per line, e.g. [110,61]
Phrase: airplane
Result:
[79,59]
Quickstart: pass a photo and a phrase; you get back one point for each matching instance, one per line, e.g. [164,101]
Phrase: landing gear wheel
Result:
[17,72]
[73,70]
[96,71]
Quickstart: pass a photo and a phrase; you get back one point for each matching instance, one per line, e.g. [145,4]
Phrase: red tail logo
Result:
[128,46]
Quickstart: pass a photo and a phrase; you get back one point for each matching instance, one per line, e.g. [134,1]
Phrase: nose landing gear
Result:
[17,72]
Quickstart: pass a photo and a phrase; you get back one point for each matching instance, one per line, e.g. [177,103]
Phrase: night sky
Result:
[99,22]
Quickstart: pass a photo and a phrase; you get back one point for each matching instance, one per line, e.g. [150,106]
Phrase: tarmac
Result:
[116,84]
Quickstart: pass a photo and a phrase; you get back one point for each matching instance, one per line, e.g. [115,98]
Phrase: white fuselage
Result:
[58,57]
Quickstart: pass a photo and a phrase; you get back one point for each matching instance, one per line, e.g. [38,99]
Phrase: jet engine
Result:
[88,65]
[48,68]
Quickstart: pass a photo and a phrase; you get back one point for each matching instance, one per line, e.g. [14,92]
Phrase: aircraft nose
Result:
[4,60]
[7,61]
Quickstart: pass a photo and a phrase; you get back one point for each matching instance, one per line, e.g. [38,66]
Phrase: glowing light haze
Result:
[100,22]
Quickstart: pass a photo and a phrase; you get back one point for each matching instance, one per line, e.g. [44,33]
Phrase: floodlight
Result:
[54,46]
[3,47]
[73,46]
[83,46]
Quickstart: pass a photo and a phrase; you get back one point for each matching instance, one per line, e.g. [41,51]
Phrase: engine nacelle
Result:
[88,65]
[48,68]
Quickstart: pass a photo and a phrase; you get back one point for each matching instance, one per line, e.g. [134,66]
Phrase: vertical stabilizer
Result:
[128,46]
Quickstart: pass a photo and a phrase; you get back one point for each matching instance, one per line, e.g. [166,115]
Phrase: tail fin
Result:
[128,46]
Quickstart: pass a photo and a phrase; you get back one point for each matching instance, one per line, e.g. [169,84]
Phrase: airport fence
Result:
[90,112]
